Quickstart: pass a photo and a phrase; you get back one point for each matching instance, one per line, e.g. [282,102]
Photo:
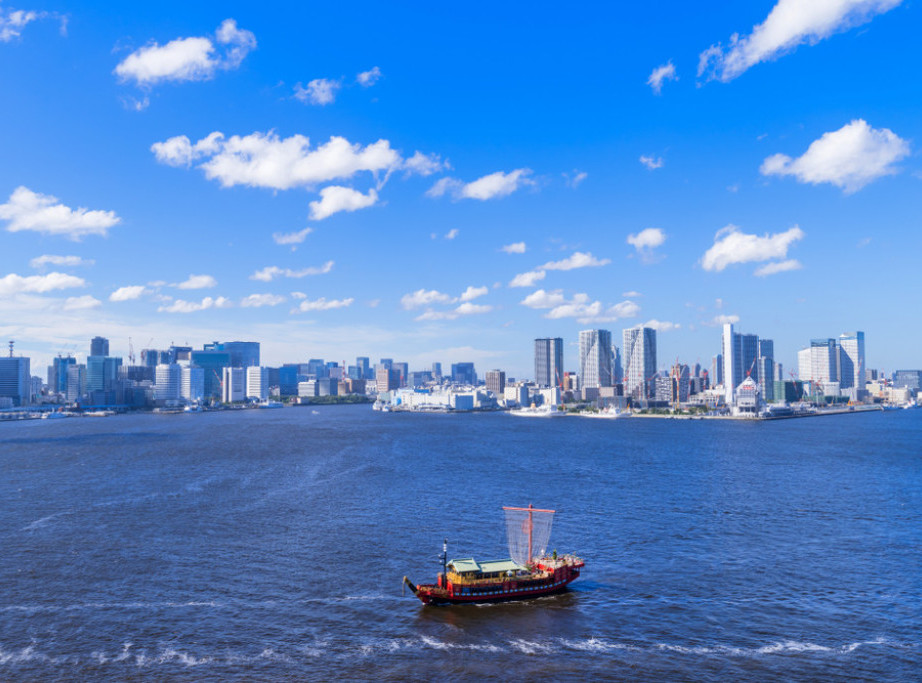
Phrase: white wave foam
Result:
[39,523]
[530,647]
[436,644]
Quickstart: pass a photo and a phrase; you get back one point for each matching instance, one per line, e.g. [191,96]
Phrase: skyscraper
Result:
[463,373]
[548,361]
[851,362]
[242,354]
[496,382]
[639,350]
[257,383]
[595,358]
[99,346]
[16,380]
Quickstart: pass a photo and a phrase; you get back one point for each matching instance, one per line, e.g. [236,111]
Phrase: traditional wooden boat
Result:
[529,572]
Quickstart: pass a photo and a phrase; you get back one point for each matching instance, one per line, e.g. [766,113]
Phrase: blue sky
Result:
[778,185]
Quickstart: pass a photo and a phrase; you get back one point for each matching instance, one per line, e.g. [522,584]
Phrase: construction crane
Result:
[130,352]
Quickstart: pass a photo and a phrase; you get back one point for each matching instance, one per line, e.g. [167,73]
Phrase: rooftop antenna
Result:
[11,348]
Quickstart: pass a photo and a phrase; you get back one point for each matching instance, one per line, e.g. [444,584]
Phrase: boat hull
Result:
[431,599]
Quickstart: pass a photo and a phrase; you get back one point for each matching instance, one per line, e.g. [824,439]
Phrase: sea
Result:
[271,545]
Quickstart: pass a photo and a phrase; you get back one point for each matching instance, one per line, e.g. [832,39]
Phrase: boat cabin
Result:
[468,570]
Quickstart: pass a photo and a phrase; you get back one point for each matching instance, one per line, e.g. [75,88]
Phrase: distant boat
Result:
[193,408]
[546,410]
[55,415]
[267,404]
[609,413]
[529,573]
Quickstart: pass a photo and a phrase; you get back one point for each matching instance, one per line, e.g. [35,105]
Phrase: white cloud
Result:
[66,261]
[579,307]
[462,310]
[631,295]
[451,234]
[789,24]
[187,59]
[778,267]
[648,238]
[197,282]
[651,162]
[514,248]
[12,21]
[181,306]
[267,161]
[179,150]
[573,180]
[732,246]
[723,320]
[499,184]
[849,158]
[286,238]
[660,74]
[468,308]
[336,198]
[366,79]
[472,293]
[320,91]
[38,284]
[259,300]
[322,304]
[28,210]
[269,273]
[81,303]
[544,299]
[425,164]
[661,325]
[577,260]
[128,293]
[528,279]
[423,297]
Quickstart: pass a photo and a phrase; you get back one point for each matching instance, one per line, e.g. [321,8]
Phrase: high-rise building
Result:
[257,383]
[76,382]
[16,379]
[824,361]
[233,387]
[595,356]
[437,372]
[617,371]
[168,382]
[213,363]
[740,353]
[403,369]
[639,348]
[385,379]
[57,373]
[363,364]
[192,383]
[463,373]
[717,370]
[909,379]
[548,361]
[242,354]
[851,362]
[99,346]
[496,382]
[102,372]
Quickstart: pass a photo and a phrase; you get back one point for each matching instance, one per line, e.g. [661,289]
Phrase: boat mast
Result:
[530,510]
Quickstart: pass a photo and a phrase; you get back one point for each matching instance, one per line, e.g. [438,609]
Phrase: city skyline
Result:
[338,197]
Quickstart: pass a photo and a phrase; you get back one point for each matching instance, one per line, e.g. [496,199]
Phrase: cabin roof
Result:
[469,564]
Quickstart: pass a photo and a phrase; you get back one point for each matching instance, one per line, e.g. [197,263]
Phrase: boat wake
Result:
[175,655]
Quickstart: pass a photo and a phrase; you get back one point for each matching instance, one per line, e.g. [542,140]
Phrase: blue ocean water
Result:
[271,545]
